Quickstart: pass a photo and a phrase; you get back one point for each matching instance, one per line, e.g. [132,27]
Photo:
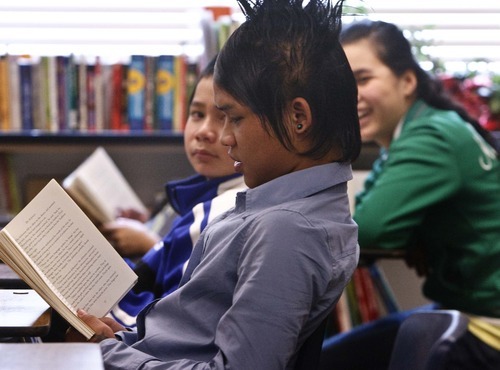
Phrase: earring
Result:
[299,126]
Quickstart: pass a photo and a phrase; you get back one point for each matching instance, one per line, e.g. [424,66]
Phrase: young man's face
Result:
[259,156]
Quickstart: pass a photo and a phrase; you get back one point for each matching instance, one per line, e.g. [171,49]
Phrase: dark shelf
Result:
[103,137]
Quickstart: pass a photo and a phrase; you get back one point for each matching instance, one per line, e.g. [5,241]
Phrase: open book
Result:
[100,189]
[57,250]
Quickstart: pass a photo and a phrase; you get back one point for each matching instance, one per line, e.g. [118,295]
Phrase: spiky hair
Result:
[286,49]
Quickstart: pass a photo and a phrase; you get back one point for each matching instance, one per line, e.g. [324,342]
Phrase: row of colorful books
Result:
[66,93]
[367,297]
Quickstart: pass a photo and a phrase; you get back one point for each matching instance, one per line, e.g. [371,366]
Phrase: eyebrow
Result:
[360,71]
[195,103]
[225,107]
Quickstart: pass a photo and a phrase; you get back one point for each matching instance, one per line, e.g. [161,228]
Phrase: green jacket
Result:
[438,186]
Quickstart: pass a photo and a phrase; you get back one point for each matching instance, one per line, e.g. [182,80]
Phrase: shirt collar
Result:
[295,185]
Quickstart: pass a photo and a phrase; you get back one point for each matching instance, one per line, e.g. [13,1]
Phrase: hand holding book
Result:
[55,248]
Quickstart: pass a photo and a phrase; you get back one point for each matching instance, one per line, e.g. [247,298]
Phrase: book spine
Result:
[91,98]
[14,93]
[118,97]
[72,90]
[4,94]
[82,95]
[369,292]
[62,92]
[136,86]
[26,81]
[383,288]
[343,316]
[149,94]
[39,97]
[99,95]
[360,296]
[165,92]
[52,106]
[180,106]
[353,303]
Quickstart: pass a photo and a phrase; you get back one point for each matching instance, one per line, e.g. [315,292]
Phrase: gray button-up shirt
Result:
[271,270]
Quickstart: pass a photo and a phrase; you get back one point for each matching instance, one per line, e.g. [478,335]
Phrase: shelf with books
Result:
[65,92]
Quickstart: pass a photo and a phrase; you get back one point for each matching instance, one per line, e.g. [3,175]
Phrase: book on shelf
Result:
[383,288]
[165,84]
[26,92]
[4,94]
[57,250]
[14,93]
[100,188]
[136,92]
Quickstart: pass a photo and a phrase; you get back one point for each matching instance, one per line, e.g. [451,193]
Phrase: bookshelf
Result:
[147,161]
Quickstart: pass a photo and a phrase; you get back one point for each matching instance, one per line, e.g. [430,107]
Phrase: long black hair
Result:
[286,50]
[395,51]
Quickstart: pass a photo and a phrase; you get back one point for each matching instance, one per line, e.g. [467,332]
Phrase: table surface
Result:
[23,313]
[53,356]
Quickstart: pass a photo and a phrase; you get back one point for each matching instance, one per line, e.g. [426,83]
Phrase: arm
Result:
[129,237]
[421,171]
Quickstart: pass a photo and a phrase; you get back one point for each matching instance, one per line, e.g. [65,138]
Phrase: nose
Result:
[226,137]
[207,131]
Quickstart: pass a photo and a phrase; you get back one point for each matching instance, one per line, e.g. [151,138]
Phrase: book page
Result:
[99,179]
[71,252]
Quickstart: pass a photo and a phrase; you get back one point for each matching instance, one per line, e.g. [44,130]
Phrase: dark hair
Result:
[284,50]
[208,71]
[395,51]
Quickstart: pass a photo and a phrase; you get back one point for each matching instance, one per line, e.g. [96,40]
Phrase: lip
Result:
[363,115]
[202,153]
[237,163]
[231,155]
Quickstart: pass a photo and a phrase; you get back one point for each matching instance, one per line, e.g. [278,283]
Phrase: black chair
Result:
[309,353]
[425,338]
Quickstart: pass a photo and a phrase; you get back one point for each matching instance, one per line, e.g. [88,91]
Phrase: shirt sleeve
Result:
[421,171]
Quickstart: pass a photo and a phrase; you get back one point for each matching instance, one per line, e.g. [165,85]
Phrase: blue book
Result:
[136,92]
[164,89]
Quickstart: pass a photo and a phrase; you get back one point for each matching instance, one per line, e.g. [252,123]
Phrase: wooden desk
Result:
[50,356]
[23,313]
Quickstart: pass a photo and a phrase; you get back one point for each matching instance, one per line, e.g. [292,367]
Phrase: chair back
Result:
[309,353]
[425,338]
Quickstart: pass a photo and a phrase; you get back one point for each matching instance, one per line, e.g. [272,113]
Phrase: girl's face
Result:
[383,97]
[202,132]
[257,154]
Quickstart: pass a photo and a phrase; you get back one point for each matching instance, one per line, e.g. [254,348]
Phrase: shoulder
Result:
[437,123]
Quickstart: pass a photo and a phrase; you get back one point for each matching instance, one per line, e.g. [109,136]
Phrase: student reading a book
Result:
[197,200]
[434,191]
[265,274]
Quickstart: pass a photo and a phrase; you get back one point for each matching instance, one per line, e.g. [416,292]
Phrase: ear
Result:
[409,83]
[301,116]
